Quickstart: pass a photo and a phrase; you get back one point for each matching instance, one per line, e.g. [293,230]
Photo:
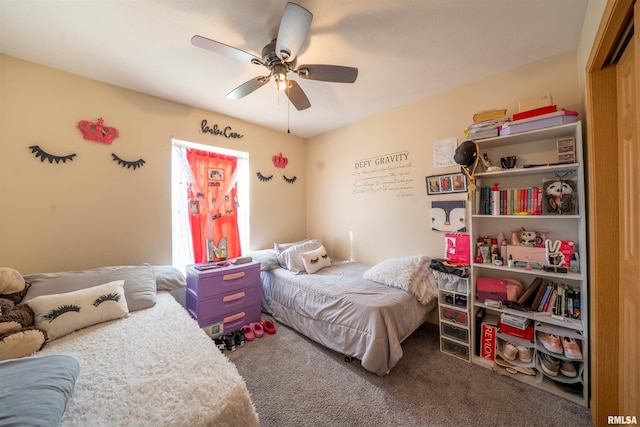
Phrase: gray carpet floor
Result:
[295,382]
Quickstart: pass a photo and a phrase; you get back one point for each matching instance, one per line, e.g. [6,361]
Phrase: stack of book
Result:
[486,124]
[557,299]
[513,201]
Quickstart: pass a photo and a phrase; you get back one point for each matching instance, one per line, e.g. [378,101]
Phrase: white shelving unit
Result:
[536,148]
[454,318]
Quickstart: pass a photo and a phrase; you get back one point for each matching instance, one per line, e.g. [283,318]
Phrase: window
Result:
[182,247]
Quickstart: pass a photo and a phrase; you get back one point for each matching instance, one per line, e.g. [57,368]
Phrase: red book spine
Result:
[535,112]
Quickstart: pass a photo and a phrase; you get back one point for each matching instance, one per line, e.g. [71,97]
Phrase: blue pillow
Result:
[35,390]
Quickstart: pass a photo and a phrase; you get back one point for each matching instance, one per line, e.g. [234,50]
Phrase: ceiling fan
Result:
[280,57]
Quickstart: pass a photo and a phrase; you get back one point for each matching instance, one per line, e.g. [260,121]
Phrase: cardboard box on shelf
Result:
[488,337]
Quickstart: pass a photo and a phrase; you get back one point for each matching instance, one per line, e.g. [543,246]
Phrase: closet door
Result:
[629,234]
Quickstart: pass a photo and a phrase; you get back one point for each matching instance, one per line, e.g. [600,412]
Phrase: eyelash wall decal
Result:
[289,180]
[51,157]
[263,178]
[113,296]
[127,164]
[51,316]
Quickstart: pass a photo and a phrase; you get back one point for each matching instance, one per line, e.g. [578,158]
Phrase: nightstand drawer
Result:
[222,304]
[231,321]
[223,280]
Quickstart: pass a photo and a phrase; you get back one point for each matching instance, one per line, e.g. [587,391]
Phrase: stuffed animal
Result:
[560,196]
[18,336]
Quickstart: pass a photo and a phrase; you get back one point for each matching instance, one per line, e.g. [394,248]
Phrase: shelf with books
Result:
[550,295]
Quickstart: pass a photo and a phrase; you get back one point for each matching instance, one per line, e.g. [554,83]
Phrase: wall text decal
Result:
[384,173]
[215,130]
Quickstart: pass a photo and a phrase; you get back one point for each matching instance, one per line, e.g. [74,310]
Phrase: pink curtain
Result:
[213,206]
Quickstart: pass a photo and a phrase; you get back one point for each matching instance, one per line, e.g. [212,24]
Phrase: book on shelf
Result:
[529,293]
[541,290]
[545,298]
[551,304]
[512,201]
[535,112]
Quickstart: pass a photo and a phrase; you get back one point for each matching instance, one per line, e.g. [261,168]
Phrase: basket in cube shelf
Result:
[526,334]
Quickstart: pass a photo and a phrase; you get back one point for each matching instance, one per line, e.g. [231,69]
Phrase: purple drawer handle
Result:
[233,297]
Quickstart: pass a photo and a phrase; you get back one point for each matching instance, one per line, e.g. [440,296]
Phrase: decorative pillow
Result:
[281,247]
[139,283]
[316,260]
[292,257]
[266,257]
[35,390]
[62,314]
[168,278]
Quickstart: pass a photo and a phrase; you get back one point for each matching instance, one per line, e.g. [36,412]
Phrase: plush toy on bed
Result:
[18,336]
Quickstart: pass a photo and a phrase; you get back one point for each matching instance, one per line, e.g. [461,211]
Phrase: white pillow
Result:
[61,314]
[316,260]
[281,247]
[291,258]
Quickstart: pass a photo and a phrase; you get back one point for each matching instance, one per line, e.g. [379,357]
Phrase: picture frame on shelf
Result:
[446,184]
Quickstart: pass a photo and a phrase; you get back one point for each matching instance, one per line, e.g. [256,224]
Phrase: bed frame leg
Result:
[348,359]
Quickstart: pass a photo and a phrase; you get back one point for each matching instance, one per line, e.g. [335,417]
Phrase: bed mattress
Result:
[153,368]
[339,309]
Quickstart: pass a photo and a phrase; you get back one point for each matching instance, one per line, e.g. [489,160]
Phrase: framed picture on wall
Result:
[446,183]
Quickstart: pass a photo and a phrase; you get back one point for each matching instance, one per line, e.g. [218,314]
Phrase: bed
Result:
[360,311]
[154,366]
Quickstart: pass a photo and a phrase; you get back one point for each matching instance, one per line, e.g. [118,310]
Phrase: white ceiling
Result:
[405,50]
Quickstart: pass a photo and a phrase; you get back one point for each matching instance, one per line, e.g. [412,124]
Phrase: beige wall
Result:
[92,212]
[386,224]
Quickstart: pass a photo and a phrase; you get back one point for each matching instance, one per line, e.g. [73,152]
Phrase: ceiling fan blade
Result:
[293,30]
[297,96]
[225,50]
[246,88]
[328,73]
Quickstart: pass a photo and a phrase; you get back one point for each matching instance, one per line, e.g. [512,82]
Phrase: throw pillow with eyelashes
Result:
[61,314]
[316,260]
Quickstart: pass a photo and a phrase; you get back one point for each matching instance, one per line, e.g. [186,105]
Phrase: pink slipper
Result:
[248,333]
[257,329]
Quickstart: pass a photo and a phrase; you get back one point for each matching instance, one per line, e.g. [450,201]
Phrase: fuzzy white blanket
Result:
[411,274]
[153,368]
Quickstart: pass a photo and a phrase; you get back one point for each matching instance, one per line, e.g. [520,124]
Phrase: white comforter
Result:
[154,368]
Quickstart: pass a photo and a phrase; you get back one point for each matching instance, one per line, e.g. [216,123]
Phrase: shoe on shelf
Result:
[461,300]
[509,351]
[571,348]
[268,326]
[448,298]
[568,369]
[512,369]
[551,342]
[550,365]
[524,353]
[461,288]
[451,284]
[461,317]
[447,313]
[443,281]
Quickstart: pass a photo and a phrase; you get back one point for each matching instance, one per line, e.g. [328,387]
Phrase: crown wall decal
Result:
[280,161]
[97,131]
